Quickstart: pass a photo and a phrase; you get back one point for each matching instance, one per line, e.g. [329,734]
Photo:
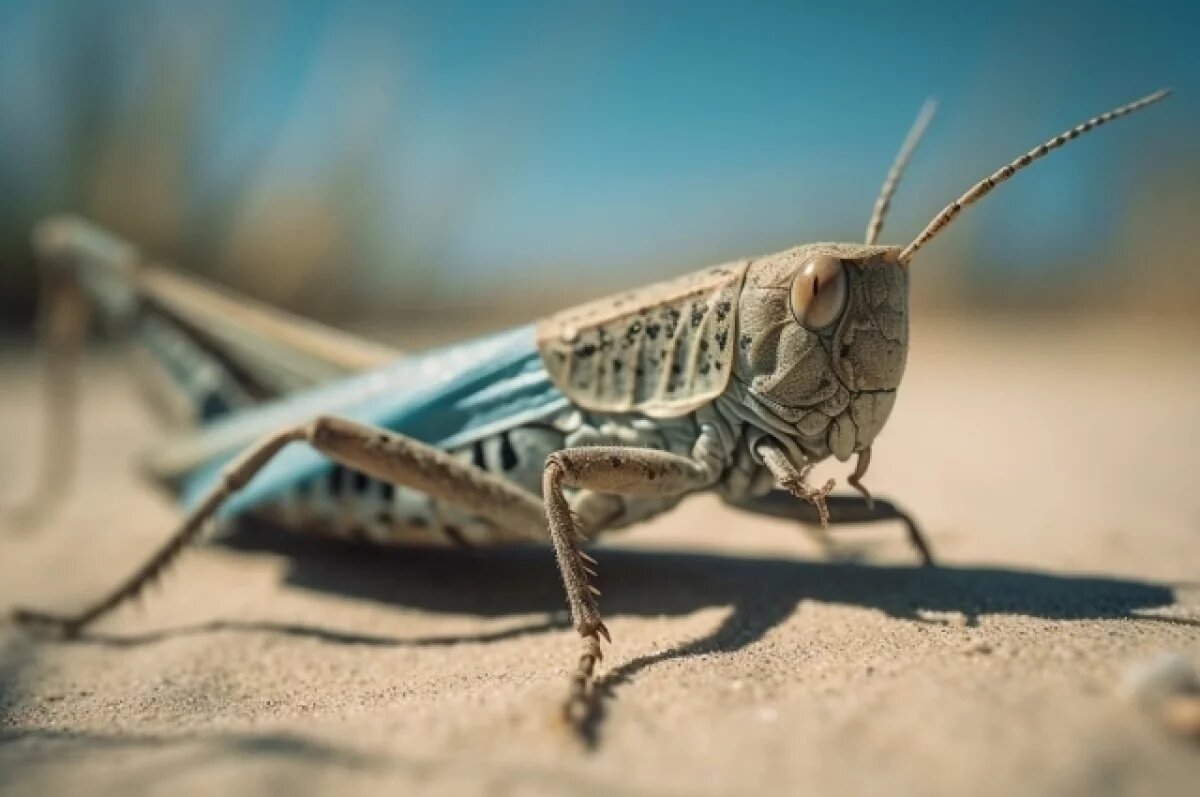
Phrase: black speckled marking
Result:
[508,454]
[337,480]
[654,353]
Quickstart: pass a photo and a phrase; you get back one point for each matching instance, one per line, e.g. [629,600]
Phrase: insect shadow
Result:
[762,593]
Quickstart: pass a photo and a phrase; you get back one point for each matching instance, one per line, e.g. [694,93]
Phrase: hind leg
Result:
[373,451]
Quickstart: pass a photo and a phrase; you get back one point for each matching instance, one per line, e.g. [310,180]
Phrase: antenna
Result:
[984,187]
[884,202]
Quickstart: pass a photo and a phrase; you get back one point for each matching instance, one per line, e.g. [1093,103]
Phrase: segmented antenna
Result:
[983,187]
[884,202]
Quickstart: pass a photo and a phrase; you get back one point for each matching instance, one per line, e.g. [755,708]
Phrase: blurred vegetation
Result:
[125,156]
[130,97]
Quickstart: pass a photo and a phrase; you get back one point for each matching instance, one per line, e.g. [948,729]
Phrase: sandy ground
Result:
[1053,466]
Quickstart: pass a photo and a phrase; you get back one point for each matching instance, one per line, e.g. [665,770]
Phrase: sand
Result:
[1054,467]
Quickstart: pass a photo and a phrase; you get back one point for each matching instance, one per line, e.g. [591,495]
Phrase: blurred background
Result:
[423,171]
[475,163]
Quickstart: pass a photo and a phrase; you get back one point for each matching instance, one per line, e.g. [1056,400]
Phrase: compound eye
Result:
[819,292]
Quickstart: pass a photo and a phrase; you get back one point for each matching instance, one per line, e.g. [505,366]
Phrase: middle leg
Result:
[603,469]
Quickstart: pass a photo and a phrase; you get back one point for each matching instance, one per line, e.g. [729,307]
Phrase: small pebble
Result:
[1164,676]
[1181,715]
[1167,688]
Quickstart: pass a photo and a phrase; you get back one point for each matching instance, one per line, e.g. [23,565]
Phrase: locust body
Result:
[736,379]
[661,368]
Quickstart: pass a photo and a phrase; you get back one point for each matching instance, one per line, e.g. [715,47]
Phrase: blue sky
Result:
[537,138]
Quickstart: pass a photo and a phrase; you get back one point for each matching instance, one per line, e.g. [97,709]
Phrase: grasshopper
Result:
[736,379]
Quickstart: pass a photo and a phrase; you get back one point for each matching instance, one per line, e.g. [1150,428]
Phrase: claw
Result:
[814,495]
[818,501]
[579,706]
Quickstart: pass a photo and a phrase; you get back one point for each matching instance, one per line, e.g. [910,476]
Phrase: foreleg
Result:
[841,509]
